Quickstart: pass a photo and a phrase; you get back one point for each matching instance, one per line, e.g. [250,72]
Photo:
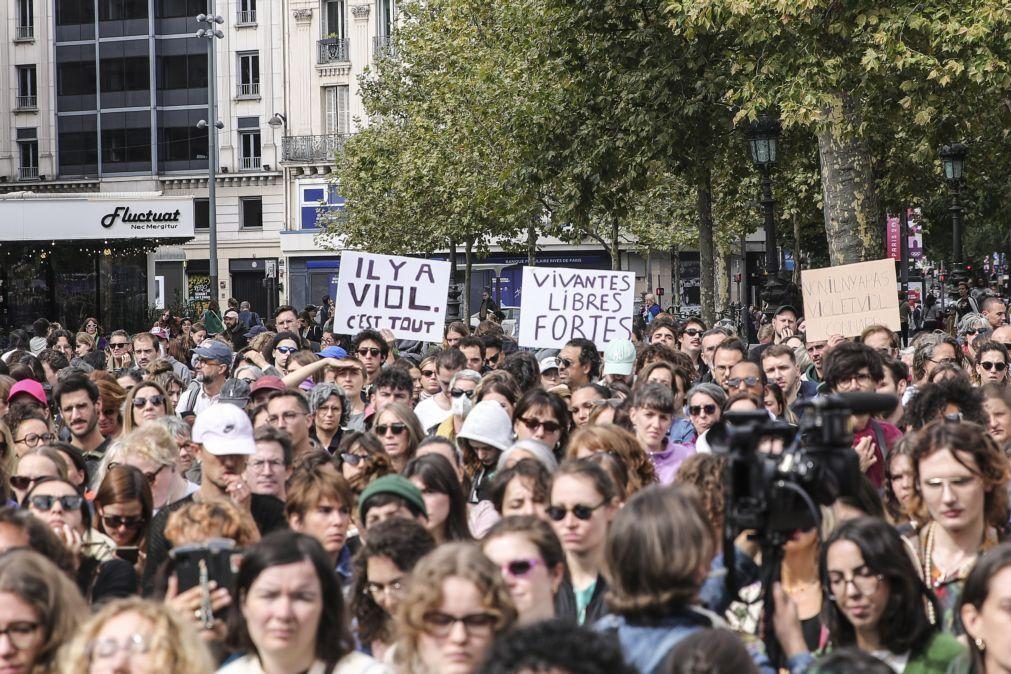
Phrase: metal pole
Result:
[956,230]
[745,293]
[212,157]
[771,249]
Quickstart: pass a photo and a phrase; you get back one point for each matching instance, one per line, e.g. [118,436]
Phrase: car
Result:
[510,324]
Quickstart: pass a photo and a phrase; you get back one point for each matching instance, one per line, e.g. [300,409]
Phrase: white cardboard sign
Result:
[557,305]
[405,295]
[846,299]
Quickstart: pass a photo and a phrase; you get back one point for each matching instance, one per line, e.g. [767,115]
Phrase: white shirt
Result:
[430,414]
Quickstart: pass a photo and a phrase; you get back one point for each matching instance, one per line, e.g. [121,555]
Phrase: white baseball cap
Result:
[619,357]
[549,363]
[224,430]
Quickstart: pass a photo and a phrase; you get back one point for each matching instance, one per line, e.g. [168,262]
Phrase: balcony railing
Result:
[382,45]
[250,89]
[251,163]
[312,148]
[28,173]
[26,102]
[24,32]
[333,50]
[247,16]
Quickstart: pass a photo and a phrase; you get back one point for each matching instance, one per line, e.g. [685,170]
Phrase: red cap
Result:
[267,382]
[30,387]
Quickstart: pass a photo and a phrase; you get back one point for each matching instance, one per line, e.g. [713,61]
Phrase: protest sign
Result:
[405,295]
[846,299]
[562,304]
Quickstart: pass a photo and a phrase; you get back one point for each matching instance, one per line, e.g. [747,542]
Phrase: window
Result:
[75,78]
[201,213]
[336,118]
[317,200]
[249,143]
[121,10]
[27,97]
[247,11]
[126,142]
[182,71]
[28,154]
[171,9]
[78,144]
[387,14]
[334,24]
[126,73]
[251,212]
[75,12]
[249,74]
[25,27]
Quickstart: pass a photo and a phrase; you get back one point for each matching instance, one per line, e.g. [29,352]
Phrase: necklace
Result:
[929,564]
[801,587]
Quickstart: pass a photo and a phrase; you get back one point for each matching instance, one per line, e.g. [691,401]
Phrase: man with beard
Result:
[213,360]
[78,400]
[225,439]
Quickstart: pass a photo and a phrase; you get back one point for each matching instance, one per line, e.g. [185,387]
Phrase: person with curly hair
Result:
[362,460]
[948,397]
[609,438]
[381,571]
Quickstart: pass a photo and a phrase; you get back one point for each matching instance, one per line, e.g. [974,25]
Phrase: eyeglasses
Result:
[134,644]
[987,365]
[943,361]
[121,522]
[520,568]
[863,579]
[565,363]
[428,373]
[582,512]
[118,345]
[696,410]
[157,400]
[440,624]
[287,349]
[860,379]
[369,351]
[328,341]
[457,392]
[397,428]
[394,588]
[352,459]
[151,477]
[23,482]
[972,331]
[533,424]
[33,439]
[329,409]
[21,634]
[692,332]
[271,464]
[45,503]
[735,382]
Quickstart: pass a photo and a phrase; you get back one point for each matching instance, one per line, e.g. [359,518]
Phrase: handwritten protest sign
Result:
[846,299]
[403,294]
[562,304]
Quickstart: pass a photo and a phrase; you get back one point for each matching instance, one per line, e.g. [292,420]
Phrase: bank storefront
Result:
[68,257]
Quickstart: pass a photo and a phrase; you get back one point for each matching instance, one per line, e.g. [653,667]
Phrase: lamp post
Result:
[953,162]
[211,33]
[763,141]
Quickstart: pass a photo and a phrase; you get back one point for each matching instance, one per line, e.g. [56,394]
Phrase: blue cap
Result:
[333,352]
[212,349]
[254,331]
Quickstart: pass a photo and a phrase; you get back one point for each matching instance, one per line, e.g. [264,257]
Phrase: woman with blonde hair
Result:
[146,403]
[153,638]
[83,344]
[592,439]
[7,460]
[455,606]
[153,451]
[40,606]
[400,432]
[112,395]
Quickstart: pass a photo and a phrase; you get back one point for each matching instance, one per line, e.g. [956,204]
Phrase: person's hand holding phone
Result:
[189,605]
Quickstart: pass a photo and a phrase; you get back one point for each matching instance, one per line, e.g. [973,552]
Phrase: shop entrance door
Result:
[249,286]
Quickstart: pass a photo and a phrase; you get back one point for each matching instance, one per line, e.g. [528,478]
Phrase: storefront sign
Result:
[37,218]
[405,295]
[562,304]
[846,299]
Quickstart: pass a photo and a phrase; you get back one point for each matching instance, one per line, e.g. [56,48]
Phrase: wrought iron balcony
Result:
[312,148]
[28,173]
[333,50]
[24,32]
[26,102]
[382,45]
[246,16]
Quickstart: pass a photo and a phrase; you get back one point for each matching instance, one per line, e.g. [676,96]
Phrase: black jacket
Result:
[565,603]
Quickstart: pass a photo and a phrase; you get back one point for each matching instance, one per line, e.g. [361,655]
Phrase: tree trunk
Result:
[452,261]
[852,213]
[532,241]
[706,247]
[468,263]
[615,250]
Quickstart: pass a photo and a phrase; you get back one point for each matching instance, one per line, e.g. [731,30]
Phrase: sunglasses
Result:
[22,482]
[582,512]
[397,428]
[520,568]
[46,503]
[157,400]
[565,363]
[548,426]
[456,393]
[696,410]
[987,365]
[973,331]
[428,373]
[351,459]
[692,332]
[370,351]
[734,382]
[118,345]
[287,349]
[120,522]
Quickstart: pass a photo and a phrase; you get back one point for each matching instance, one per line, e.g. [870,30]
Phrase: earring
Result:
[980,644]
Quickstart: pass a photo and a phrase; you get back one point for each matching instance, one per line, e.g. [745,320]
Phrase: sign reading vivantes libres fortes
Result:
[846,299]
[562,304]
[405,295]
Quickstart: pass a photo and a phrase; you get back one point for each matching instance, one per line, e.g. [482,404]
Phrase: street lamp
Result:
[953,162]
[277,121]
[212,33]
[763,142]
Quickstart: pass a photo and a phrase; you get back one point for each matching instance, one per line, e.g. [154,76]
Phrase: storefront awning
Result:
[28,217]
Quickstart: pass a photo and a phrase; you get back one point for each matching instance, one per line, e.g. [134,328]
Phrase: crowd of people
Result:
[243,494]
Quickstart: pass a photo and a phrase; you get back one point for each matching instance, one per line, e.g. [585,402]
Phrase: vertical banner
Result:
[846,299]
[915,234]
[405,295]
[893,237]
[558,305]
